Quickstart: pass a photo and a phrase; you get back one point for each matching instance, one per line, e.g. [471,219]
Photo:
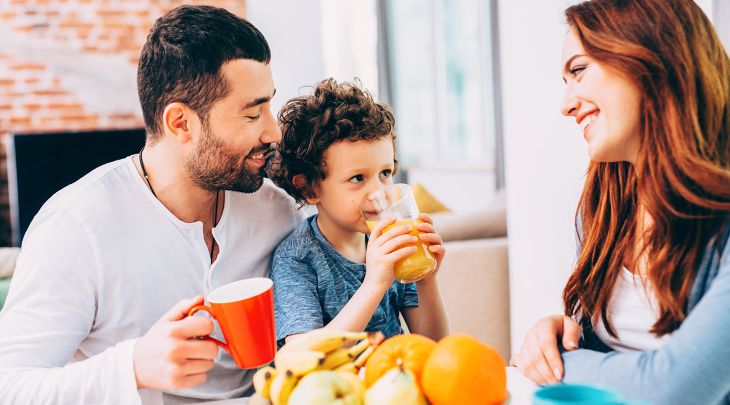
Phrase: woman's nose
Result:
[571,104]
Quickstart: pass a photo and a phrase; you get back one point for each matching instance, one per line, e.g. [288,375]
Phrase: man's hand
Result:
[384,249]
[169,356]
[539,358]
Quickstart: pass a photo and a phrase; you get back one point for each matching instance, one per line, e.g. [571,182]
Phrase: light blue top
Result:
[693,367]
[313,282]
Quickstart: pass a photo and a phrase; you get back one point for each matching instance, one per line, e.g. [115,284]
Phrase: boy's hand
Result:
[433,240]
[384,249]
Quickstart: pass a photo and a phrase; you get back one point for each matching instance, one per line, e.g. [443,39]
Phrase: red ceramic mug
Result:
[245,312]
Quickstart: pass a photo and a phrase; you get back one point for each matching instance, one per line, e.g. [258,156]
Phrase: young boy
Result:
[338,146]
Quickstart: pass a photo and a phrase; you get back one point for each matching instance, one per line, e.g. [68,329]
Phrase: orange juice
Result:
[415,266]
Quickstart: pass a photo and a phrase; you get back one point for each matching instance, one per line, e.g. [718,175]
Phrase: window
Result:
[442,80]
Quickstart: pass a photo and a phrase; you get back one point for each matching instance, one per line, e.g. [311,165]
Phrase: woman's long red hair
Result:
[681,177]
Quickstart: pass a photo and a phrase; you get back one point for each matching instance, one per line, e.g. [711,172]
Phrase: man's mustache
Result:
[268,150]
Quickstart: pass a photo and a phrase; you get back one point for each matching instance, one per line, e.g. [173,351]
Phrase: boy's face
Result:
[353,171]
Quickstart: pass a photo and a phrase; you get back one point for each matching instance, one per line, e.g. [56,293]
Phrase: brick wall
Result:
[70,65]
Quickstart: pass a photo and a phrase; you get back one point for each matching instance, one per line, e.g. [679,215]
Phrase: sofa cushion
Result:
[7,261]
[426,202]
[474,282]
[4,287]
[490,222]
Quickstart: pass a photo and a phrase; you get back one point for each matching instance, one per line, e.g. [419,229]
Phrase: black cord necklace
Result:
[215,211]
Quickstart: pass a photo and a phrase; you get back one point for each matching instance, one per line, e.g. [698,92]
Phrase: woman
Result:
[648,82]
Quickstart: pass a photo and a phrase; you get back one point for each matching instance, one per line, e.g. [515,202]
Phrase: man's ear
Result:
[179,121]
[300,182]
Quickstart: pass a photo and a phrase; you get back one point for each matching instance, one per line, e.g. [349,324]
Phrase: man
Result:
[109,266]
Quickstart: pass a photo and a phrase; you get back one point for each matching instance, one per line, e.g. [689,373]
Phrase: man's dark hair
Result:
[310,124]
[181,60]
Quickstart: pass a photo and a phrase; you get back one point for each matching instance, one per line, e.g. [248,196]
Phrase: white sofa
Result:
[474,277]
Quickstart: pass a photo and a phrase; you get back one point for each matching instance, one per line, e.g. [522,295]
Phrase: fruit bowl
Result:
[334,367]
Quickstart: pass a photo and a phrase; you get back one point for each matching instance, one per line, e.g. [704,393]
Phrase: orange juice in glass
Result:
[396,201]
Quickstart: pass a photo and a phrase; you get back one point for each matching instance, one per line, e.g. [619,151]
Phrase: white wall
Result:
[293,30]
[545,160]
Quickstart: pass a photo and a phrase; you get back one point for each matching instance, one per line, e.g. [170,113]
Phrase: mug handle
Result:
[207,309]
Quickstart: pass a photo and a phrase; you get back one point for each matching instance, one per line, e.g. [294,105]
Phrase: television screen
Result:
[40,164]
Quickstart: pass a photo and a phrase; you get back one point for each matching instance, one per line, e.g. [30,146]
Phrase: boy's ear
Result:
[300,182]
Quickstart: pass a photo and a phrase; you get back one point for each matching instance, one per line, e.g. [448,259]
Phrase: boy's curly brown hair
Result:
[310,124]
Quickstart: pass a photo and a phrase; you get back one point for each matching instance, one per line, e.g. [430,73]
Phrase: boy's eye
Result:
[386,173]
[356,179]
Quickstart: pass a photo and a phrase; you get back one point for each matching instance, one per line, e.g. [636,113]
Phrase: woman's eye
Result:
[386,173]
[574,71]
[356,179]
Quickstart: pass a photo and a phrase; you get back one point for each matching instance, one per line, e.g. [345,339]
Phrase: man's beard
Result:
[212,167]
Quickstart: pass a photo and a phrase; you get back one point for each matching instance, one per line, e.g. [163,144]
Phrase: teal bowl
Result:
[578,394]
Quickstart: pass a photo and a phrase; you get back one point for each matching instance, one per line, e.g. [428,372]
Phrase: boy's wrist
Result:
[375,286]
[427,282]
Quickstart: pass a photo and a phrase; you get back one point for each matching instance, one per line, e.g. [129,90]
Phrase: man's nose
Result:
[272,132]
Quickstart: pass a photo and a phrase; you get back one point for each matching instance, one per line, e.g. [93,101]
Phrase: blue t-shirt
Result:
[313,282]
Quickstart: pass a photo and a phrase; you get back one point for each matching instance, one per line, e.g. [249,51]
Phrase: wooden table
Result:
[519,387]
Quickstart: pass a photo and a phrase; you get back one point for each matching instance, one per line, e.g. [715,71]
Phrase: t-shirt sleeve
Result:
[297,306]
[410,296]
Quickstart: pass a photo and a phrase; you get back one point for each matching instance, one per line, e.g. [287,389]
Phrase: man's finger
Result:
[193,380]
[180,310]
[192,326]
[199,349]
[192,367]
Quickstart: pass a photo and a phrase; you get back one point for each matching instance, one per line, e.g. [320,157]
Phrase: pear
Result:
[326,387]
[357,385]
[396,387]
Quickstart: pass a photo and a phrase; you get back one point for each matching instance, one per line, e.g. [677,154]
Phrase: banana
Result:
[336,359]
[262,380]
[325,340]
[358,348]
[282,386]
[299,362]
[363,357]
[347,367]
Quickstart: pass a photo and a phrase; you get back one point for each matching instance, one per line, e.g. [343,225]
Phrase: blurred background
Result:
[476,89]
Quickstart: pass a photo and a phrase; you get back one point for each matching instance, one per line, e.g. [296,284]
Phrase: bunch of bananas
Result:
[319,350]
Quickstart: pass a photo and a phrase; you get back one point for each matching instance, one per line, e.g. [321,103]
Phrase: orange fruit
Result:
[462,370]
[410,351]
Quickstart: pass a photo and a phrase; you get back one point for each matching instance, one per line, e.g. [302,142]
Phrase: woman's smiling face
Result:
[604,102]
